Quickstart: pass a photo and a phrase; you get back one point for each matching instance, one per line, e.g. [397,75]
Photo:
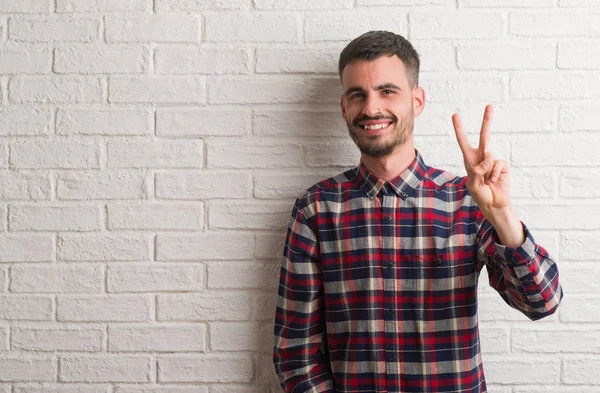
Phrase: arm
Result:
[300,350]
[525,276]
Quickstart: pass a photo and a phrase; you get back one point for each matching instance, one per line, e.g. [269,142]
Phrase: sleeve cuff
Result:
[516,256]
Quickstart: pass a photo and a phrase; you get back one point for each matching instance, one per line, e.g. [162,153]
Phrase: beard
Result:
[375,145]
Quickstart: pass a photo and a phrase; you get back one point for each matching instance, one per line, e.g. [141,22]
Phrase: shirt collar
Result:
[403,185]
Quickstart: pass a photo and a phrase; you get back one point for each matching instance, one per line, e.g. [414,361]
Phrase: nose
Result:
[371,107]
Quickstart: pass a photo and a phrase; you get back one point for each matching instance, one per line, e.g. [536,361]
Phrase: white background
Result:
[150,153]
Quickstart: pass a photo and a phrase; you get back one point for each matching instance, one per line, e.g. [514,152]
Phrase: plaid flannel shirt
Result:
[378,285]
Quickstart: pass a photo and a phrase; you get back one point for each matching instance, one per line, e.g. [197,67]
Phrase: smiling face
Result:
[379,104]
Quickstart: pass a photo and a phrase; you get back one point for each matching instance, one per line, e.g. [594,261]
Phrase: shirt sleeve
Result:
[526,277]
[300,350]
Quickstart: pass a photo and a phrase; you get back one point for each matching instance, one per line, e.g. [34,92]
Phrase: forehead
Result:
[385,69]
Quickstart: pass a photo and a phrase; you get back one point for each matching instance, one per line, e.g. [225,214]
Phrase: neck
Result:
[392,165]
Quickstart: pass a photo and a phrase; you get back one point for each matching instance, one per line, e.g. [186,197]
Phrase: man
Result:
[378,285]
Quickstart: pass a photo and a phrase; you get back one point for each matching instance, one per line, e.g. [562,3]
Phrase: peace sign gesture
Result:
[488,178]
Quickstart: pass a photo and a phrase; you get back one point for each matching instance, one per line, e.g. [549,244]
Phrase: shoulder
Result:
[328,188]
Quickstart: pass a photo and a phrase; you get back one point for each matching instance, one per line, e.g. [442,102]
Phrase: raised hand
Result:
[488,178]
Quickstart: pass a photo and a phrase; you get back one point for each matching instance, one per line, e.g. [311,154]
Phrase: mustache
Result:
[364,117]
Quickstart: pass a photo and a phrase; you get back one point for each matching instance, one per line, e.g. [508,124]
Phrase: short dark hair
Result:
[375,44]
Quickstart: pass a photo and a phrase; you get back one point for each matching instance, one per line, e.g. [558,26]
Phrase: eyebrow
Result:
[385,86]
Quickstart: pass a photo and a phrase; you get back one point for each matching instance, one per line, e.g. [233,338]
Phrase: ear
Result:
[418,100]
[343,106]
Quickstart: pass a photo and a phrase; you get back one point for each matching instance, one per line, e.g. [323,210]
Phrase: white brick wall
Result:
[151,150]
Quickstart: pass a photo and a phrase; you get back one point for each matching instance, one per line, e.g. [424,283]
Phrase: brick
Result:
[579,245]
[25,61]
[577,3]
[26,248]
[171,338]
[344,25]
[201,122]
[451,88]
[252,27]
[532,183]
[281,60]
[560,150]
[405,2]
[341,152]
[243,275]
[554,24]
[154,28]
[24,186]
[56,90]
[507,3]
[579,117]
[210,246]
[494,340]
[3,282]
[274,90]
[57,279]
[113,59]
[248,215]
[270,246]
[200,5]
[24,121]
[548,85]
[104,247]
[263,307]
[156,216]
[522,370]
[115,308]
[55,218]
[108,121]
[580,309]
[193,60]
[103,368]
[3,221]
[26,308]
[59,154]
[288,185]
[559,216]
[581,55]
[27,369]
[205,368]
[461,24]
[435,56]
[157,89]
[33,6]
[245,153]
[580,371]
[193,185]
[54,29]
[574,184]
[304,5]
[103,6]
[493,309]
[517,56]
[156,154]
[161,389]
[514,117]
[242,388]
[556,341]
[554,389]
[293,123]
[57,339]
[240,336]
[153,278]
[112,184]
[62,388]
[203,307]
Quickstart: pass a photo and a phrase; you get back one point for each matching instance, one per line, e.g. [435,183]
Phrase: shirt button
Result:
[420,314]
[388,312]
[389,264]
[392,358]
[388,218]
[403,194]
[439,261]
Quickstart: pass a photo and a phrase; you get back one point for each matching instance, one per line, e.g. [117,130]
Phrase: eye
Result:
[357,95]
[388,92]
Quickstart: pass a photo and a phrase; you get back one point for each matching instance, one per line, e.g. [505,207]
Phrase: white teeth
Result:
[375,127]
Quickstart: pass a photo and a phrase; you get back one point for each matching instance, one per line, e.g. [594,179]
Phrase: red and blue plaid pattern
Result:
[378,285]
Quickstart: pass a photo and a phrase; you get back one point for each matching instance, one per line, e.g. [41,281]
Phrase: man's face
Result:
[379,104]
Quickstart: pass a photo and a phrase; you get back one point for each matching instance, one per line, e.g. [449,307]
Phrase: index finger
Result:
[461,136]
[484,135]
